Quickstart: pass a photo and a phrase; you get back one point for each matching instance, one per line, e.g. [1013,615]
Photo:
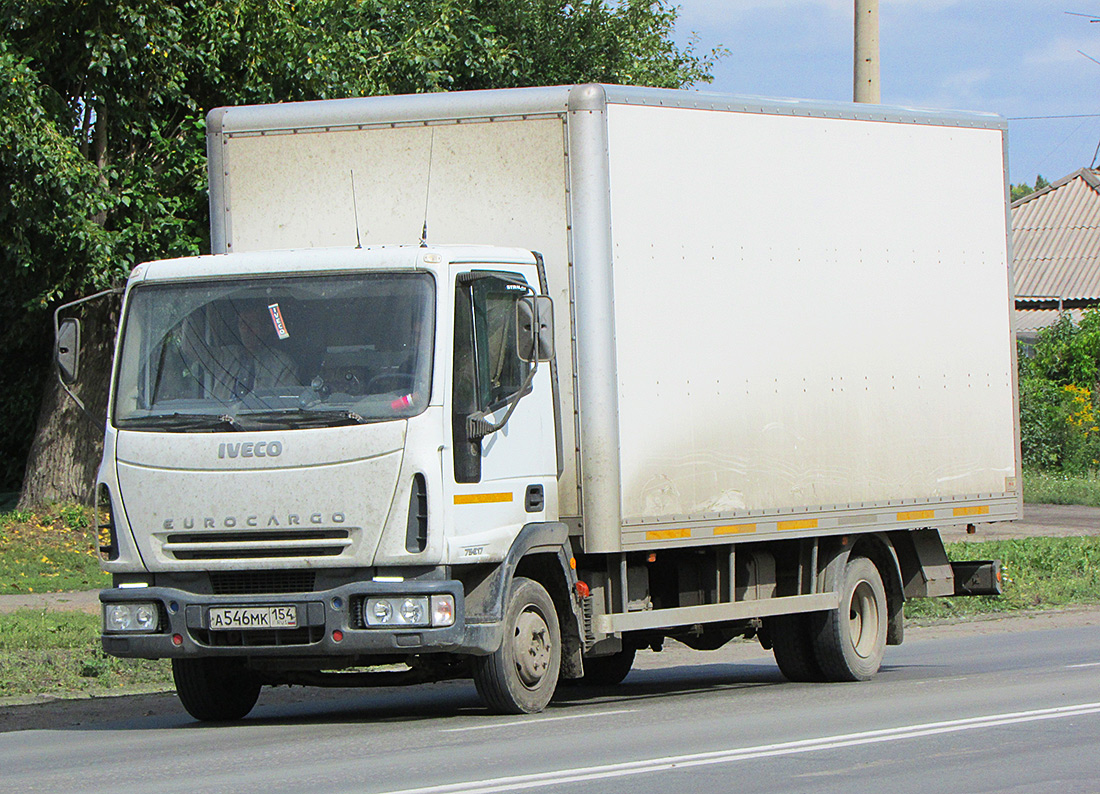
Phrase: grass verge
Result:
[1039,573]
[49,551]
[58,653]
[1054,488]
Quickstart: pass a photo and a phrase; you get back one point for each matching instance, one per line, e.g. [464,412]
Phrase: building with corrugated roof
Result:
[1056,251]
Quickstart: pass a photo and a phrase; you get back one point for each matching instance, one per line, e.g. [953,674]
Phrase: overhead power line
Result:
[1075,116]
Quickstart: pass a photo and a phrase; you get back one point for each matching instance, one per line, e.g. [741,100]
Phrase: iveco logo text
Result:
[291,520]
[251,449]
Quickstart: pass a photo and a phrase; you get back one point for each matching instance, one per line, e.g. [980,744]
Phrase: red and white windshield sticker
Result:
[277,319]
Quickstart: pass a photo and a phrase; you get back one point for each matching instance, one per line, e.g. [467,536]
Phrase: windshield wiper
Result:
[178,421]
[302,417]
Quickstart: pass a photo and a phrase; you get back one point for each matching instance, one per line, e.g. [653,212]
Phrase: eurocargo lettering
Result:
[509,385]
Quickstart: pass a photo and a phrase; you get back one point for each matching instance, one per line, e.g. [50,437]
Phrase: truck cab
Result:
[319,459]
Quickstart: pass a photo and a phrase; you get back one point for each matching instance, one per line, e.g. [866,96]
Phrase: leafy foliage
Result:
[1059,400]
[102,117]
[1024,189]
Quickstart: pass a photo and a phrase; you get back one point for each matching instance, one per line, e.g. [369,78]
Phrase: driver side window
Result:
[487,367]
[500,369]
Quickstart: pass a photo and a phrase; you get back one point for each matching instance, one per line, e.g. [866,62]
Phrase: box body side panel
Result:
[806,314]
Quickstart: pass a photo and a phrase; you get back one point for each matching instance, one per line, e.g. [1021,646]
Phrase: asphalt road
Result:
[999,706]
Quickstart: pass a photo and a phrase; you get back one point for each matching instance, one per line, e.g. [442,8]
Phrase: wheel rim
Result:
[531,648]
[863,619]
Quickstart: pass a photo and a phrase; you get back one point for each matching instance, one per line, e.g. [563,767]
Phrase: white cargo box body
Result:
[772,317]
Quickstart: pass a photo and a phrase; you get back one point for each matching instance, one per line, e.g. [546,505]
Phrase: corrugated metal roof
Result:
[1056,239]
[1029,321]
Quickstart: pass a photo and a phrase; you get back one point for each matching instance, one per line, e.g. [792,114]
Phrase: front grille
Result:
[253,582]
[264,544]
[303,635]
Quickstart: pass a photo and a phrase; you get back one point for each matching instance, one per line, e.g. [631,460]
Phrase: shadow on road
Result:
[303,705]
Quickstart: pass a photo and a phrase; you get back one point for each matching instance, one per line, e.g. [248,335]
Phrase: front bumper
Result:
[328,625]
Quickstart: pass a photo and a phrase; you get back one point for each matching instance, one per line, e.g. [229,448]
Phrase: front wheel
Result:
[215,690]
[851,639]
[521,675]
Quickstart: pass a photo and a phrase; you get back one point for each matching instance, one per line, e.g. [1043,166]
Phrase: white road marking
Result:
[661,764]
[1087,664]
[536,721]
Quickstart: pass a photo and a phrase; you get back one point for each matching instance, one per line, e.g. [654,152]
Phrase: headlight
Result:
[136,617]
[381,611]
[412,610]
[438,610]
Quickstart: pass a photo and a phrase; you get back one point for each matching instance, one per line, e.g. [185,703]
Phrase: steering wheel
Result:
[390,381]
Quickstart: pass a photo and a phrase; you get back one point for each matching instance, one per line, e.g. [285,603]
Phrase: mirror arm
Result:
[77,400]
[477,426]
[57,328]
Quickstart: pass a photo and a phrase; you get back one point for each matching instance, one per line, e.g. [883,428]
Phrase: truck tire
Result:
[521,675]
[608,670]
[851,639]
[793,645]
[215,690]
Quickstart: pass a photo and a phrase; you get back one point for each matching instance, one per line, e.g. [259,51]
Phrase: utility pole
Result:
[865,79]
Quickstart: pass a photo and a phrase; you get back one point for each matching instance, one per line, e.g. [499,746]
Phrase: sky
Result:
[1018,58]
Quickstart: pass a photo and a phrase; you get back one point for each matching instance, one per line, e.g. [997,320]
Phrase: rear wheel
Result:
[851,639]
[608,670]
[521,675]
[215,690]
[793,646]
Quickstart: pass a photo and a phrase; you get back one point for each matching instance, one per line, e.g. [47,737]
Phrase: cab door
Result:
[505,478]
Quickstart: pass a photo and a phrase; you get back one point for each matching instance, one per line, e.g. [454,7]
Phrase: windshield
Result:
[251,354]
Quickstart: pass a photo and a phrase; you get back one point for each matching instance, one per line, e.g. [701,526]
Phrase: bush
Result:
[1059,407]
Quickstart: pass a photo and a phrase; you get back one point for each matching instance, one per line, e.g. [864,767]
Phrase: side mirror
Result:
[535,328]
[68,349]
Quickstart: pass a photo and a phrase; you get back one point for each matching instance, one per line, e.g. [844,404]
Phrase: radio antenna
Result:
[427,192]
[355,211]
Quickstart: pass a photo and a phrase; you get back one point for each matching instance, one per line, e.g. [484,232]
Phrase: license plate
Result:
[225,618]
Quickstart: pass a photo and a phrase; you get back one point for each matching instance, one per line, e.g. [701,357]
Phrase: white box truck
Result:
[512,384]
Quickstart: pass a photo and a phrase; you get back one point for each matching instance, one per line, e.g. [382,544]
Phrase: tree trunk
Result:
[68,443]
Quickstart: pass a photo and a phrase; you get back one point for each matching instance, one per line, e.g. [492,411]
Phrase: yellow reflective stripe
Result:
[979,510]
[805,523]
[916,515]
[481,498]
[735,529]
[667,534]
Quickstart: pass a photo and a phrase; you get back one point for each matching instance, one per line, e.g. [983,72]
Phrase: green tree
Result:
[103,139]
[1024,189]
[47,238]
